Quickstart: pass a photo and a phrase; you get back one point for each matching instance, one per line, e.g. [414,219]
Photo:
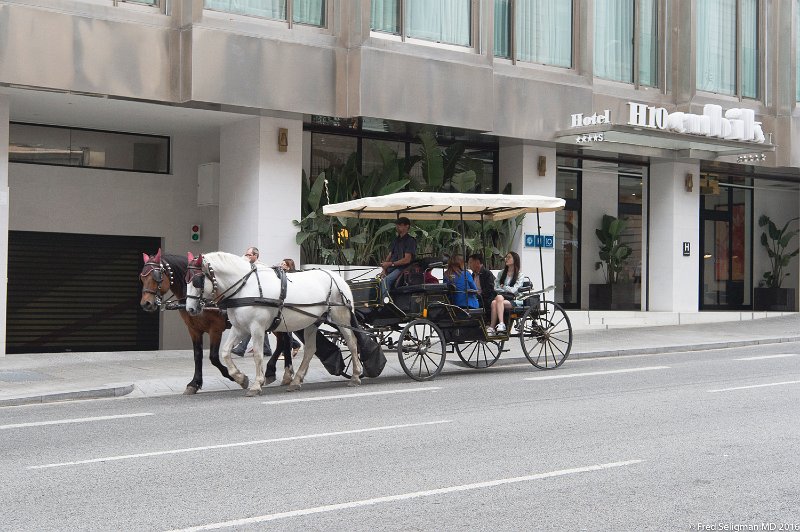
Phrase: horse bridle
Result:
[196,276]
[157,270]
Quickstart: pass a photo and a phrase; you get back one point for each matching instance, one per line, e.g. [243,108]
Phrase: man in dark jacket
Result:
[484,279]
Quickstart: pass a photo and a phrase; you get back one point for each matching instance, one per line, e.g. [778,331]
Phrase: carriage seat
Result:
[427,288]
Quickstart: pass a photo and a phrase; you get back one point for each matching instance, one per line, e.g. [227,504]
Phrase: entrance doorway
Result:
[726,260]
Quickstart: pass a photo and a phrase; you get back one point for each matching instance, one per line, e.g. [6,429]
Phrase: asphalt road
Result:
[658,442]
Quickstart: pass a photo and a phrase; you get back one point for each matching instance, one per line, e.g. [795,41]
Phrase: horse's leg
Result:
[197,346]
[343,315]
[272,363]
[258,356]
[237,376]
[310,336]
[284,348]
[215,337]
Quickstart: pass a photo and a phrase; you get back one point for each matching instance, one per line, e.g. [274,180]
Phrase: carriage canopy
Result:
[442,205]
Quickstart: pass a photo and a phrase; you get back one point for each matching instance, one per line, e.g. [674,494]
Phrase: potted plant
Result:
[770,295]
[615,294]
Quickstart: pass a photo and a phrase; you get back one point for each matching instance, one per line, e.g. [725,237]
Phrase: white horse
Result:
[231,281]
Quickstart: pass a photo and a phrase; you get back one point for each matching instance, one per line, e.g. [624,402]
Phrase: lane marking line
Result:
[74,420]
[237,444]
[753,386]
[765,357]
[405,496]
[592,373]
[350,395]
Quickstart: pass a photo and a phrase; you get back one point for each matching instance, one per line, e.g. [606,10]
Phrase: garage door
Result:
[70,292]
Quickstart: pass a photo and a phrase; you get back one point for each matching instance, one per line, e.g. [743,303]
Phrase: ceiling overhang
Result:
[656,142]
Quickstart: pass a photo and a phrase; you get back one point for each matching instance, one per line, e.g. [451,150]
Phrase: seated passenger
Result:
[507,287]
[456,276]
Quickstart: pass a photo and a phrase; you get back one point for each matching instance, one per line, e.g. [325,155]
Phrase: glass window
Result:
[311,12]
[614,40]
[567,234]
[330,150]
[544,32]
[88,148]
[502,28]
[442,21]
[385,16]
[717,50]
[371,149]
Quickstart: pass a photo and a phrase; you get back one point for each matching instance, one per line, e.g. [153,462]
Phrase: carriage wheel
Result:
[479,354]
[421,350]
[546,335]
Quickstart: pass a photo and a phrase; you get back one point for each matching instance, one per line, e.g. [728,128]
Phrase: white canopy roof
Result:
[441,205]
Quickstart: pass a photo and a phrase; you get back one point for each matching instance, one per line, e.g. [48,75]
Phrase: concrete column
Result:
[260,187]
[4,193]
[674,219]
[519,167]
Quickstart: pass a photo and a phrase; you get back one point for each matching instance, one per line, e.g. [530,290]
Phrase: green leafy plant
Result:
[776,241]
[613,252]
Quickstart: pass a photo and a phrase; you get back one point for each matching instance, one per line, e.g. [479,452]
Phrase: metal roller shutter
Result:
[73,292]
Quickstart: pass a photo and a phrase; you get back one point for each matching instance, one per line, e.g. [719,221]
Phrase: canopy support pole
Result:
[539,233]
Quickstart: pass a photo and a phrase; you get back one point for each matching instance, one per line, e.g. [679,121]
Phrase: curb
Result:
[683,348]
[97,393]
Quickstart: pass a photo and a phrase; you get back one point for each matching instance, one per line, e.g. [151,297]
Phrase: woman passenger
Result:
[461,280]
[507,287]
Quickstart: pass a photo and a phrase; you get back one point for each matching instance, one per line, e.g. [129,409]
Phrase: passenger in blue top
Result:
[458,277]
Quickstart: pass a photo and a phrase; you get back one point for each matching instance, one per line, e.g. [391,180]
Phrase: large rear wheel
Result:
[479,354]
[421,350]
[546,335]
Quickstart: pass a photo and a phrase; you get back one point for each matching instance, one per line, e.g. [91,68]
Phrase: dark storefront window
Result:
[568,263]
[726,221]
[630,210]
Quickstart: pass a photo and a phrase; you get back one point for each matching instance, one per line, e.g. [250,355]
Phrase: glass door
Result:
[726,223]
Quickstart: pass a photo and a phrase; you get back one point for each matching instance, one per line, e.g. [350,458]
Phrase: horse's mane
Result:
[225,261]
[179,264]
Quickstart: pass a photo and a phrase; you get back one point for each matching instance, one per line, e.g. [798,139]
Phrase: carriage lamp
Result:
[342,236]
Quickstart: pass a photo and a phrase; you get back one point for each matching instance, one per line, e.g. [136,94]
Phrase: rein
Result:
[158,270]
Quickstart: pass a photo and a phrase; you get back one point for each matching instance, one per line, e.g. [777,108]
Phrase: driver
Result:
[402,252]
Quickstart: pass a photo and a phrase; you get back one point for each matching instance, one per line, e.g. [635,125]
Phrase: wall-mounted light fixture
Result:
[751,158]
[688,183]
[283,139]
[542,166]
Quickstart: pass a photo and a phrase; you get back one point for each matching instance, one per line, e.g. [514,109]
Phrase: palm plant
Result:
[776,241]
[613,252]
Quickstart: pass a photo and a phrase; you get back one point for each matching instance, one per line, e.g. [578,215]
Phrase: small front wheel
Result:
[421,350]
[546,335]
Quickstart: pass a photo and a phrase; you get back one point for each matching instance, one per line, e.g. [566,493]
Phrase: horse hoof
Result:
[293,388]
[288,375]
[253,393]
[269,379]
[355,381]
[190,390]
[245,382]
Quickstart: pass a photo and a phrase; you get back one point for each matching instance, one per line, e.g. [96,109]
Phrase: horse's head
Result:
[199,281]
[155,279]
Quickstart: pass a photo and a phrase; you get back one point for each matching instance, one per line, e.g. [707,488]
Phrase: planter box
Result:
[620,296]
[774,299]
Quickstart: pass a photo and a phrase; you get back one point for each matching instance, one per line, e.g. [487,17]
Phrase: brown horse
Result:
[161,274]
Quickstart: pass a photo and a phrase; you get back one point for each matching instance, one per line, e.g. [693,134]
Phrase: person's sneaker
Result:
[237,352]
[501,328]
[490,331]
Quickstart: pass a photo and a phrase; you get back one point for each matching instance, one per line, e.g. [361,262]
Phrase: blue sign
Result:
[539,241]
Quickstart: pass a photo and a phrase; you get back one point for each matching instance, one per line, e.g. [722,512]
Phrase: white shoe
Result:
[490,331]
[501,328]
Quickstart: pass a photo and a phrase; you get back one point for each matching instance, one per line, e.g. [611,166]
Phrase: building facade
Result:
[187,125]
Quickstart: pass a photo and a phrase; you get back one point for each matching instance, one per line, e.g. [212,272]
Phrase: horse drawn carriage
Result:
[419,319]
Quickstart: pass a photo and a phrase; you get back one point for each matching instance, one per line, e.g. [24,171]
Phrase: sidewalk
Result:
[50,377]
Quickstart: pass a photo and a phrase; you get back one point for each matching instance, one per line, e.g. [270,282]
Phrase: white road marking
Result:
[75,420]
[754,386]
[237,444]
[350,395]
[404,496]
[765,357]
[592,373]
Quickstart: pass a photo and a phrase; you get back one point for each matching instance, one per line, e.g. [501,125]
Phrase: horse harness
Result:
[157,270]
[196,276]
